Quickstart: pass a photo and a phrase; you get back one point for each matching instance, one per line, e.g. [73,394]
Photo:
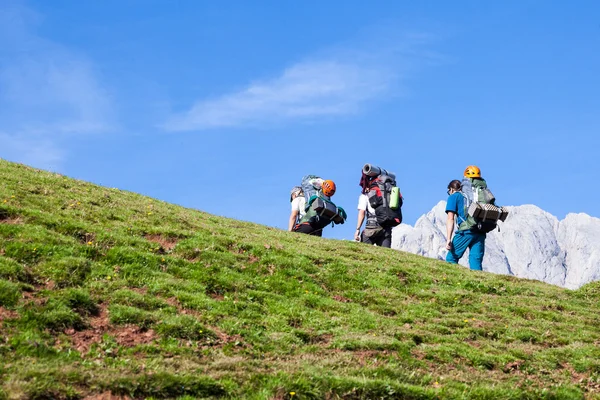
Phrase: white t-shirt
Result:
[298,205]
[363,204]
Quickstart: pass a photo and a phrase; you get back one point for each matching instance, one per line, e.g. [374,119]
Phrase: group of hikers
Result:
[470,208]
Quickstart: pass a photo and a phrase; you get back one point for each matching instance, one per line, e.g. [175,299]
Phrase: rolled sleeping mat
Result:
[487,212]
[372,170]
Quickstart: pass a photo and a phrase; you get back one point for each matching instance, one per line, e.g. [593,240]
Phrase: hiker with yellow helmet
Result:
[468,235]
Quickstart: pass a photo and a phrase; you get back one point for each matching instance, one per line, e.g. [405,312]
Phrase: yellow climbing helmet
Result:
[472,172]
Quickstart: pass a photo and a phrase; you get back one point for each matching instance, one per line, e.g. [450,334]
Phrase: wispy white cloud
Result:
[47,91]
[340,82]
[305,90]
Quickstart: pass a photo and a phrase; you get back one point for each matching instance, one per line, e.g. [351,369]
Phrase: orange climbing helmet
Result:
[472,172]
[328,188]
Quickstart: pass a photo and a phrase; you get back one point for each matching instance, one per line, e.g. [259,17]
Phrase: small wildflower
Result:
[292,393]
[90,243]
[109,277]
[12,197]
[466,320]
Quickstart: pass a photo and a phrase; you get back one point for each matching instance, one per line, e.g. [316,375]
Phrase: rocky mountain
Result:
[531,244]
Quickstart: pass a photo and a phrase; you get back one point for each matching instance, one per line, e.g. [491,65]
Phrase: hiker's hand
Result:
[449,245]
[357,235]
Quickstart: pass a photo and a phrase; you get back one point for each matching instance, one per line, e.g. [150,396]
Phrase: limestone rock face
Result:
[579,234]
[531,244]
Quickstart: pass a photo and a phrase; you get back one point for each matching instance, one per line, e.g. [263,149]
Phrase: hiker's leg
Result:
[460,244]
[366,239]
[476,251]
[378,238]
[386,238]
[304,228]
[369,236]
[318,232]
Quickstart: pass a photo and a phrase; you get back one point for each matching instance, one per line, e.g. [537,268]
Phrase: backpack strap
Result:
[485,212]
[465,209]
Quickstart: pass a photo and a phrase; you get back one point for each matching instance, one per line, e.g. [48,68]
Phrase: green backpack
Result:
[476,194]
[321,212]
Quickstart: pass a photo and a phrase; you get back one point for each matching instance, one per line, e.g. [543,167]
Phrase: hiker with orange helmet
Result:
[328,188]
[319,210]
[467,235]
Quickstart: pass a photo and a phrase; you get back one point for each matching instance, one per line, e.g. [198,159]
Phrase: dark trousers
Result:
[378,236]
[305,227]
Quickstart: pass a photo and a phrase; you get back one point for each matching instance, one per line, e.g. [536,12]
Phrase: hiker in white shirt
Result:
[298,203]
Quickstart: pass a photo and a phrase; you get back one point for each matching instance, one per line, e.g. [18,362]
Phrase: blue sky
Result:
[224,106]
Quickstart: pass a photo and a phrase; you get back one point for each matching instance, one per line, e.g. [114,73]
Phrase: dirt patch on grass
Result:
[224,338]
[216,296]
[7,314]
[513,367]
[32,296]
[341,299]
[576,377]
[369,357]
[167,244]
[142,290]
[11,220]
[128,335]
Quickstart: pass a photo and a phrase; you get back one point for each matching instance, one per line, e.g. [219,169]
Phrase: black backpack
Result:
[386,199]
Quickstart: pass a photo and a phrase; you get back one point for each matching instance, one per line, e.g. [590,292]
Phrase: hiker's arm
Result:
[449,229]
[292,222]
[361,218]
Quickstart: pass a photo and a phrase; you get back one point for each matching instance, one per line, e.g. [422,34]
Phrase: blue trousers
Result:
[464,240]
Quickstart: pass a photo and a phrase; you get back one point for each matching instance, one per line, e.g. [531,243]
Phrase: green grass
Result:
[106,291]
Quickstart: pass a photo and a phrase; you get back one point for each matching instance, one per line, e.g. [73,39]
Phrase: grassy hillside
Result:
[108,292]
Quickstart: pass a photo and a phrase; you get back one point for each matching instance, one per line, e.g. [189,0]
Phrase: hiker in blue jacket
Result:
[464,238]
